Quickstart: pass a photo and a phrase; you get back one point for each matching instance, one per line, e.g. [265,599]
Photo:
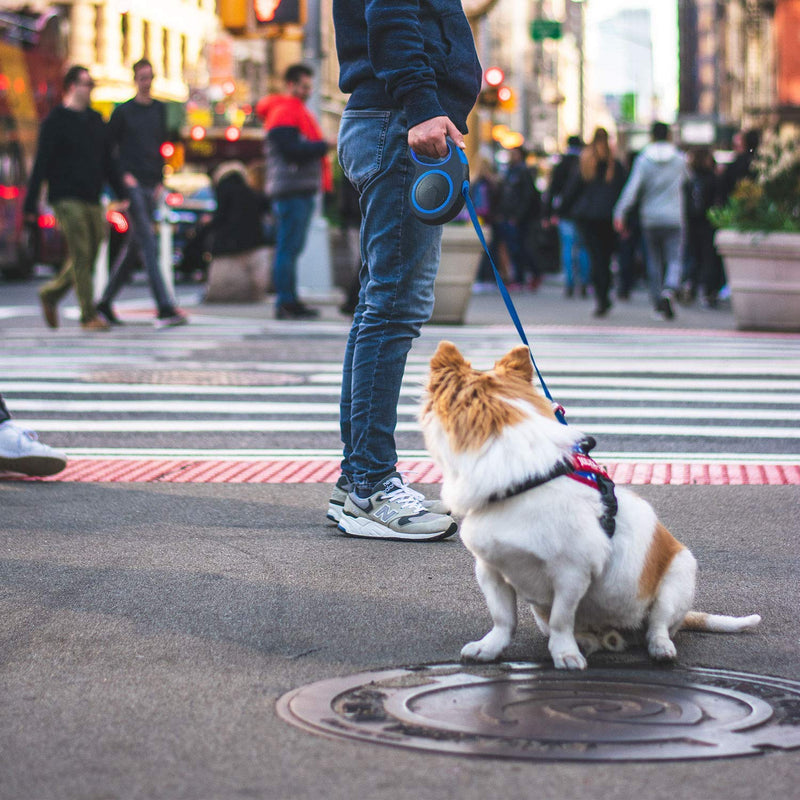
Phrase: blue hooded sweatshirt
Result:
[414,55]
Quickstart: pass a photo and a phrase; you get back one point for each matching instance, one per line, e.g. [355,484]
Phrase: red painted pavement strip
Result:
[187,470]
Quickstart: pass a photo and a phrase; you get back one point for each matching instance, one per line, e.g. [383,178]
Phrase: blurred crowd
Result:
[611,222]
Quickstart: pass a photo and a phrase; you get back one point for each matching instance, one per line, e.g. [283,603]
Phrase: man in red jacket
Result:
[297,168]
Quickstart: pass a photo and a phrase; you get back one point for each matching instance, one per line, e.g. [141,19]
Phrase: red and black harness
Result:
[580,467]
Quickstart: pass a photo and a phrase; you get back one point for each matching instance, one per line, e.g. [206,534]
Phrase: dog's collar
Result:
[580,467]
[561,468]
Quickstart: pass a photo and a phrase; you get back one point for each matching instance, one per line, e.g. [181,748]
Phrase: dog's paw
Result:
[479,651]
[662,648]
[569,660]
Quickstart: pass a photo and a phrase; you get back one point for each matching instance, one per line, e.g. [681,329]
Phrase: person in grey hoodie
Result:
[655,183]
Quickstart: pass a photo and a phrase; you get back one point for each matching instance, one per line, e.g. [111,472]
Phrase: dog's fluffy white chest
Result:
[552,533]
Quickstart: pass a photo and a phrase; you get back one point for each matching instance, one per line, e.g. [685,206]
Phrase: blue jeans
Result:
[293,217]
[663,248]
[573,254]
[142,239]
[399,261]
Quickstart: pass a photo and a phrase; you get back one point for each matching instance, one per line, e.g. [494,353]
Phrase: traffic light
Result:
[233,14]
[506,99]
[278,12]
[173,154]
[494,76]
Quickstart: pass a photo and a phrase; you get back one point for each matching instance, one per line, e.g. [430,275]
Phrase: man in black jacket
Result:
[136,131]
[73,158]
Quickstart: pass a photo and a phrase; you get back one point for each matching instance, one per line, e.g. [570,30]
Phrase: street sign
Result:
[542,29]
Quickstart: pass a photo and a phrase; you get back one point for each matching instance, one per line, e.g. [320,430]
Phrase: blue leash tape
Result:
[559,412]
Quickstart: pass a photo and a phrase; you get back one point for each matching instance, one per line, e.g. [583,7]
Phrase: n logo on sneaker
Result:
[385,513]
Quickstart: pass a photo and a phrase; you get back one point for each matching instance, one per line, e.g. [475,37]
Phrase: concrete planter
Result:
[763,272]
[458,268]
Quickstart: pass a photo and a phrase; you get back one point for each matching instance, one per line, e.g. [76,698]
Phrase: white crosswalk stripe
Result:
[638,392]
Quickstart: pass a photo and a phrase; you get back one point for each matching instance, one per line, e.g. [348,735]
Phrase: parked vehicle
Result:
[32,61]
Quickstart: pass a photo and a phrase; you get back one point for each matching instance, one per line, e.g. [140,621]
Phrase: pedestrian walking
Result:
[656,184]
[589,199]
[485,192]
[413,76]
[703,271]
[520,210]
[22,452]
[630,245]
[73,157]
[574,258]
[297,168]
[136,131]
[239,270]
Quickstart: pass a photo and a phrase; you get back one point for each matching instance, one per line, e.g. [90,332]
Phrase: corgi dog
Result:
[545,523]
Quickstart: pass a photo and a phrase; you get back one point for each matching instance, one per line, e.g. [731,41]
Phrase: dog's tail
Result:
[717,623]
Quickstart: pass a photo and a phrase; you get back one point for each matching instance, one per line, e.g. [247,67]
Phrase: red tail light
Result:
[47,220]
[118,221]
[232,133]
[167,150]
[9,192]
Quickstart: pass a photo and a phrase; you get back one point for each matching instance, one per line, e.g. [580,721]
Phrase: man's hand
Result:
[129,180]
[620,227]
[428,138]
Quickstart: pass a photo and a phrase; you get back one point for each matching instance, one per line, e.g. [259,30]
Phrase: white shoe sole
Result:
[364,528]
[334,511]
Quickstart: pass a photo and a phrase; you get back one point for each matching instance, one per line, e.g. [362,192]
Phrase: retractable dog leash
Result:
[439,191]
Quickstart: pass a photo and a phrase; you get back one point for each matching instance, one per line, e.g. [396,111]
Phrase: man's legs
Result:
[401,258]
[567,234]
[143,204]
[654,245]
[673,250]
[119,272]
[293,215]
[82,226]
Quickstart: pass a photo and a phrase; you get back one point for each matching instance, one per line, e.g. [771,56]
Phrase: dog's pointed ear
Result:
[516,362]
[446,355]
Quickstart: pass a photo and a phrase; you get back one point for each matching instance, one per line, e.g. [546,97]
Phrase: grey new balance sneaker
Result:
[343,486]
[393,511]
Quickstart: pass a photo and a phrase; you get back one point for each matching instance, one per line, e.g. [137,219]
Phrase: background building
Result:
[740,66]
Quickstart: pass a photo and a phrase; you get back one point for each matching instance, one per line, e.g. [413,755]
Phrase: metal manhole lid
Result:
[529,711]
[195,377]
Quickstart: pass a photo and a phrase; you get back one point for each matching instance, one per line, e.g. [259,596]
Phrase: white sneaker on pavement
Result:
[21,451]
[343,486]
[393,511]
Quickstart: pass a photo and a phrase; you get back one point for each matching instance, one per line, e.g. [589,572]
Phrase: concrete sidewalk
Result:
[148,630]
[546,307]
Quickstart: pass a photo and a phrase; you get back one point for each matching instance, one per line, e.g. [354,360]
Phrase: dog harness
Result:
[578,466]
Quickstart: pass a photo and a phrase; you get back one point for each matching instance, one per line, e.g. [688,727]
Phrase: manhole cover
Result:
[529,711]
[195,377]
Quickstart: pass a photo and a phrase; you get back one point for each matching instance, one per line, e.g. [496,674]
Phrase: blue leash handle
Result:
[559,412]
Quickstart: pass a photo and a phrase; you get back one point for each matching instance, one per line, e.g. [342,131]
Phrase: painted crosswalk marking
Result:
[656,399]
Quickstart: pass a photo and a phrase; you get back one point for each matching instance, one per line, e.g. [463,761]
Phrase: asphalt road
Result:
[148,630]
